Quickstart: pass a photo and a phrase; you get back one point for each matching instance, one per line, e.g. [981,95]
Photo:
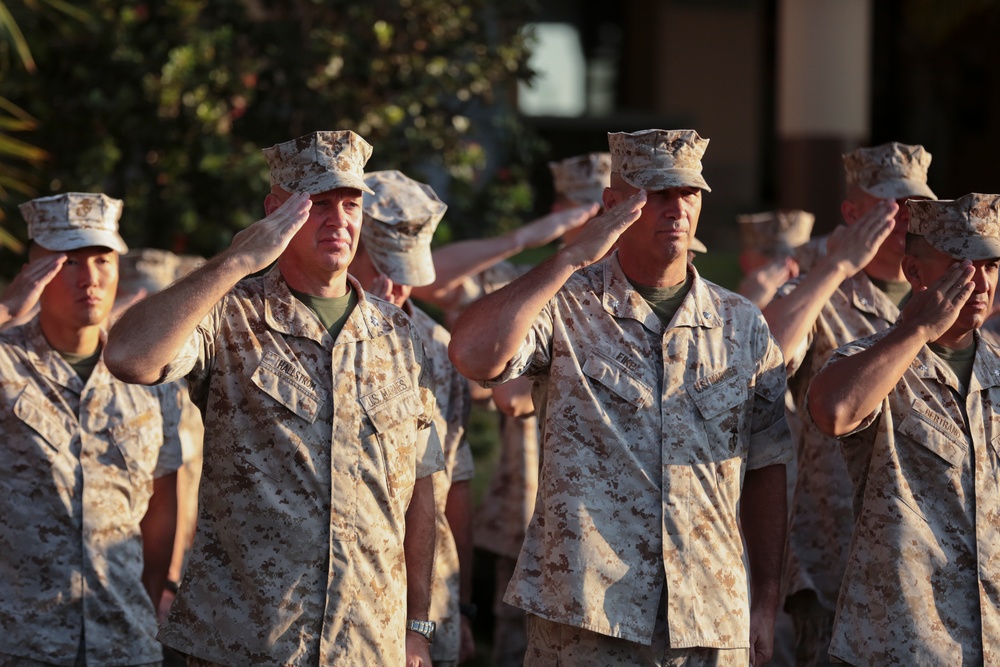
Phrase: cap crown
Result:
[582,178]
[319,162]
[74,220]
[148,268]
[891,170]
[775,230]
[658,159]
[966,228]
[401,215]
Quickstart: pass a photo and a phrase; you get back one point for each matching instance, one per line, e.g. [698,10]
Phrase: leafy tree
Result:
[167,104]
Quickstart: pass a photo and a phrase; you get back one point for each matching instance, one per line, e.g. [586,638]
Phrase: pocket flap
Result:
[616,378]
[37,412]
[402,409]
[935,432]
[719,392]
[288,384]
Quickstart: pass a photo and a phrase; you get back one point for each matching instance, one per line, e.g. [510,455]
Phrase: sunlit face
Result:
[666,225]
[326,243]
[928,269]
[83,292]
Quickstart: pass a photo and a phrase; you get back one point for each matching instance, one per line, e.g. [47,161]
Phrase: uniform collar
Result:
[287,315]
[51,365]
[985,367]
[698,309]
[868,298]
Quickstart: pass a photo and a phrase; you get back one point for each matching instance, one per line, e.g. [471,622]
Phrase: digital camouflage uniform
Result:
[312,446]
[80,460]
[821,521]
[923,575]
[451,393]
[647,433]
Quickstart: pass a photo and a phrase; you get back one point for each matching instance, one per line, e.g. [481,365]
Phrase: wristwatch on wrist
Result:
[423,628]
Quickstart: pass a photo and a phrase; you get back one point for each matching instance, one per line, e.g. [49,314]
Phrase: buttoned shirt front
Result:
[923,575]
[647,432]
[822,519]
[79,464]
[312,446]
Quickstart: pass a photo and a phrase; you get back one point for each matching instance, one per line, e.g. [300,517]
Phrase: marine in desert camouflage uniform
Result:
[768,242]
[316,525]
[395,255]
[88,496]
[852,292]
[917,408]
[662,428]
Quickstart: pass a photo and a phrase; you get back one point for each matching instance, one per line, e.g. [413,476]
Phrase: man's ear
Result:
[610,198]
[849,211]
[271,203]
[911,271]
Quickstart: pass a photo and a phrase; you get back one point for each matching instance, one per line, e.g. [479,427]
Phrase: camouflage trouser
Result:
[510,635]
[551,644]
[813,630]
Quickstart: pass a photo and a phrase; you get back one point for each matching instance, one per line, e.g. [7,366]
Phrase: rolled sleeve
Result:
[770,440]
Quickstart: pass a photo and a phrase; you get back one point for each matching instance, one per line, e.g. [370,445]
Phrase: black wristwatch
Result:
[423,628]
[468,610]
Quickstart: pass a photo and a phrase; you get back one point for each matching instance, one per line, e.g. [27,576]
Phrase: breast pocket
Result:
[721,400]
[298,403]
[395,425]
[601,408]
[931,455]
[137,439]
[41,416]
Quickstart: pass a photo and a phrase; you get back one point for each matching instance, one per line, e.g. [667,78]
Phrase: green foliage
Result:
[167,104]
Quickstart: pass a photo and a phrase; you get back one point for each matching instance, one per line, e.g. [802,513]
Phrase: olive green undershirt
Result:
[960,362]
[664,301]
[331,311]
[898,291]
[83,364]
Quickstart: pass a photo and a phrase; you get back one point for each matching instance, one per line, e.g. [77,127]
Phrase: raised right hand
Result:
[599,235]
[935,309]
[852,247]
[260,244]
[27,286]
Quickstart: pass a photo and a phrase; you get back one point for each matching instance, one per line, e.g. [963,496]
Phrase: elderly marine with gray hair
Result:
[316,522]
[660,398]
[917,409]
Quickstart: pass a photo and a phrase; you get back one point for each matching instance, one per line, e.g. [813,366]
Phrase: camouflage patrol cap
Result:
[658,159]
[890,171]
[401,215]
[697,246]
[965,228]
[319,162]
[775,231]
[74,220]
[150,269]
[582,179]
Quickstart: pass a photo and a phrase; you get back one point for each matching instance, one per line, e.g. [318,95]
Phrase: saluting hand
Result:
[935,309]
[853,247]
[599,235]
[260,244]
[24,291]
[554,226]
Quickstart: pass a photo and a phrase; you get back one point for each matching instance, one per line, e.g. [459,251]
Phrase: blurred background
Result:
[167,103]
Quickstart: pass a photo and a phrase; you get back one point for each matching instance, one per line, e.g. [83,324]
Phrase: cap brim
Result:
[73,239]
[901,188]
[414,267]
[973,248]
[586,196]
[661,179]
[697,246]
[325,182]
